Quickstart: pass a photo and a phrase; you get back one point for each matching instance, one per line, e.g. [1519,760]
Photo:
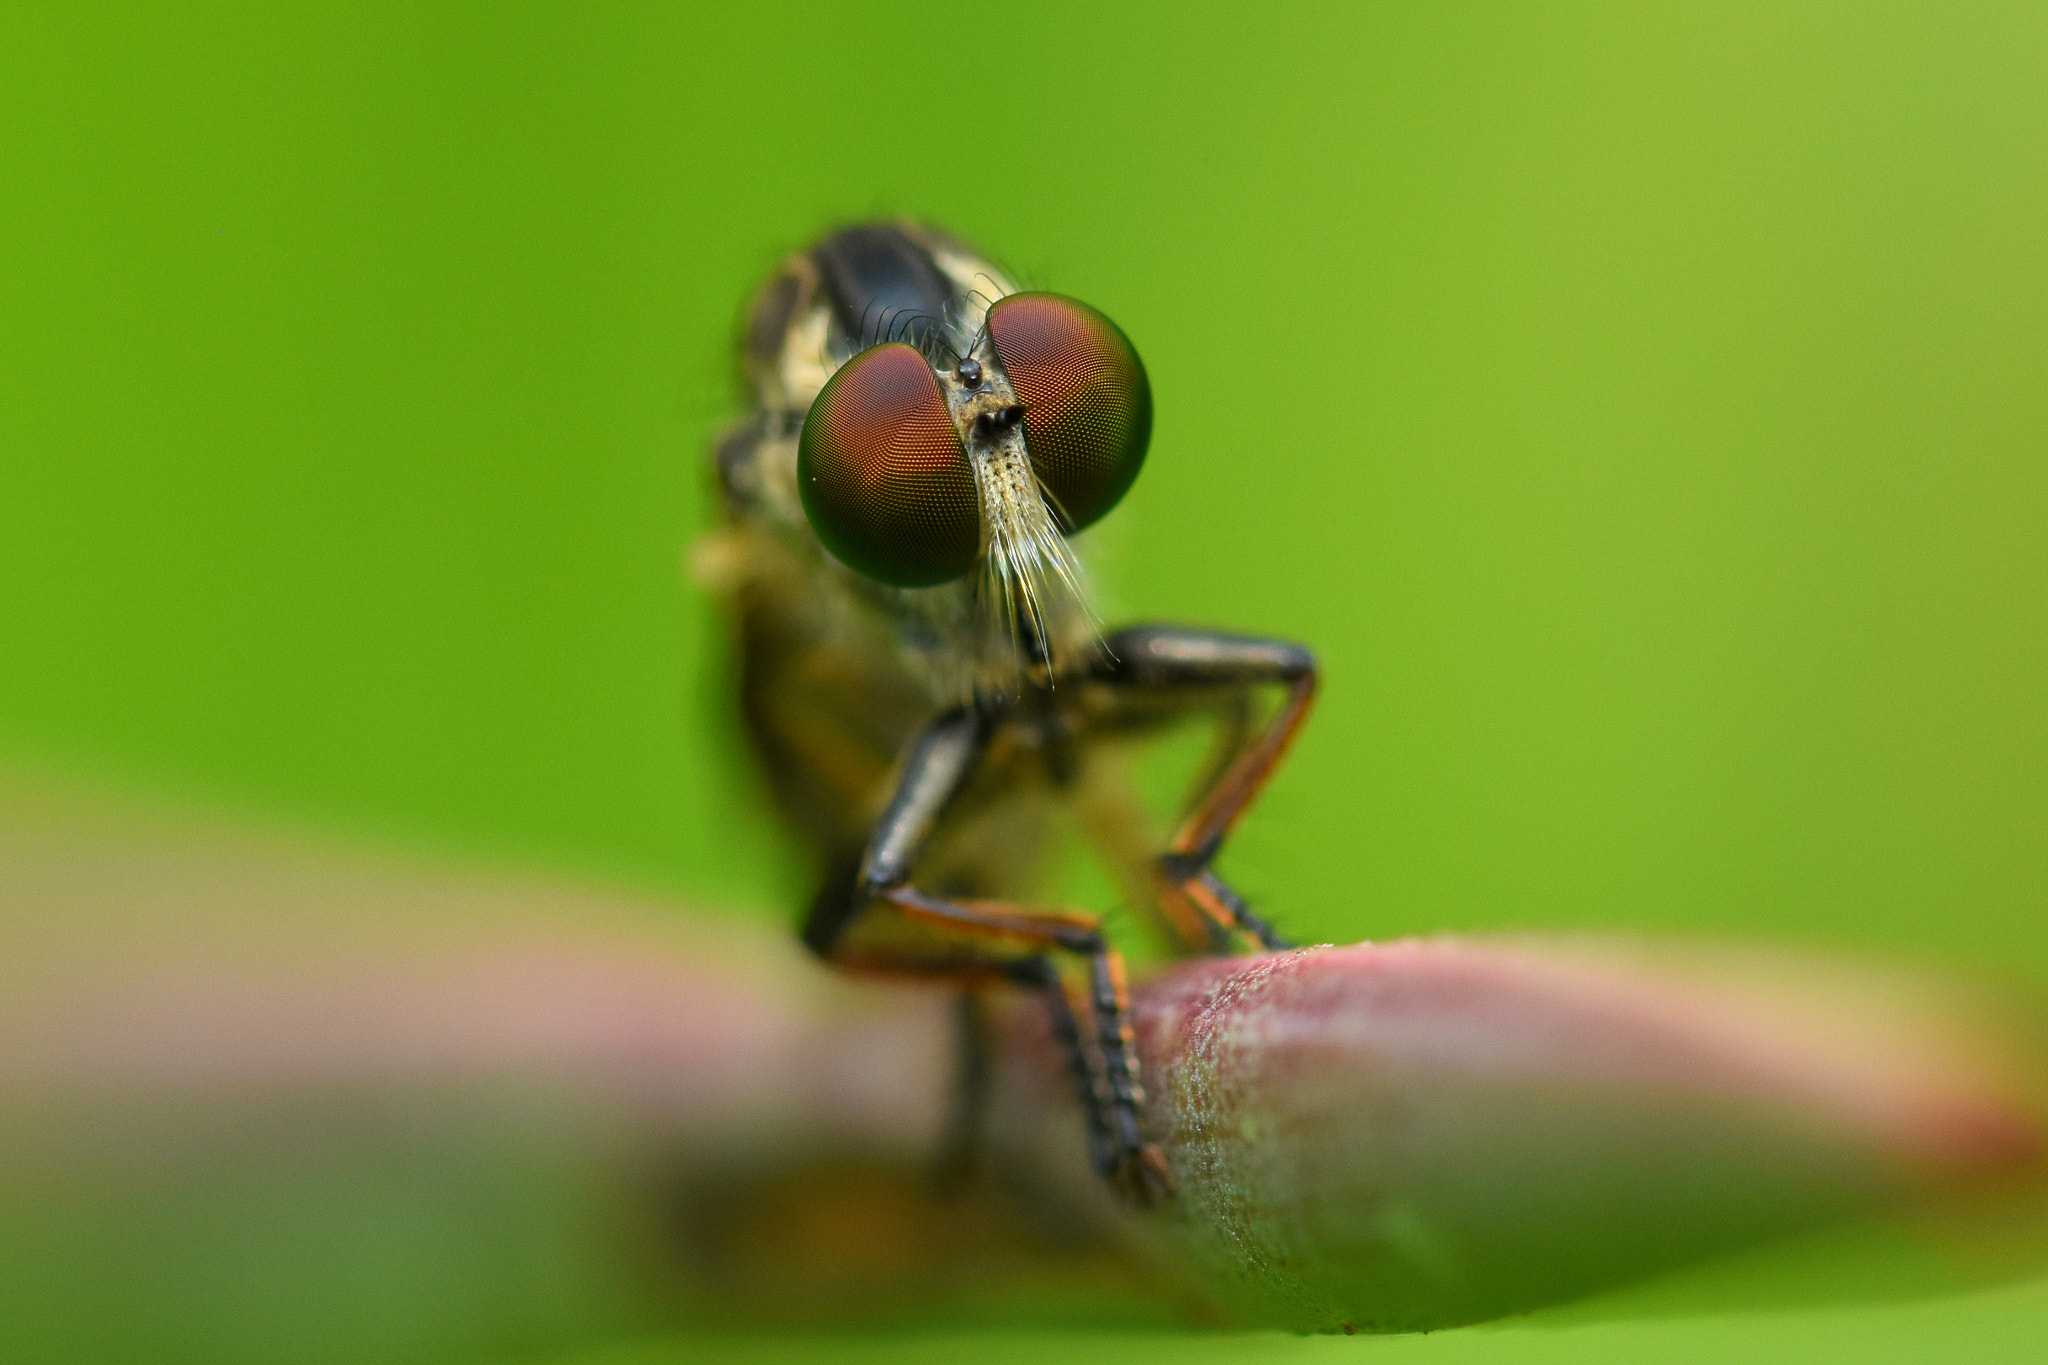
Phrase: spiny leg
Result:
[998,940]
[1223,907]
[1090,1087]
[1168,658]
[1115,1099]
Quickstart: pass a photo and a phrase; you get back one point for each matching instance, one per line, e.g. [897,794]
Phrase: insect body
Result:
[921,673]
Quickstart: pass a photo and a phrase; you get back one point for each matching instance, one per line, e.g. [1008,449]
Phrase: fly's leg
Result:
[996,940]
[1116,1099]
[1168,658]
[1083,1069]
[972,1062]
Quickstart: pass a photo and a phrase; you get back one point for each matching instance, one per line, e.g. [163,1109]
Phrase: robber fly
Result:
[921,672]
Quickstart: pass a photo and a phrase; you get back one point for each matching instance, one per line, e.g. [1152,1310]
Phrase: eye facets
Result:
[883,478]
[1087,403]
[881,470]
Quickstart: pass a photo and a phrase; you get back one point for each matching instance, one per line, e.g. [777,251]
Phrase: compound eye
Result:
[882,475]
[1087,404]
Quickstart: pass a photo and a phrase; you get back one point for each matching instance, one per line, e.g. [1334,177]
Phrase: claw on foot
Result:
[1142,1176]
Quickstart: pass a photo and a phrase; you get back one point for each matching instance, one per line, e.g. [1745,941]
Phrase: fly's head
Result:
[943,462]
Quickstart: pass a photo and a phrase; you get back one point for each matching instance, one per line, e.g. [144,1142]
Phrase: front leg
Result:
[978,941]
[1178,658]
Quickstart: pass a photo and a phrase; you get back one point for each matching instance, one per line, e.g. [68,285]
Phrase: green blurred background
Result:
[1644,414]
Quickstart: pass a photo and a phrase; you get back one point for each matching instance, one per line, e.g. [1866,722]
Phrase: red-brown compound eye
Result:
[1087,404]
[882,475]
